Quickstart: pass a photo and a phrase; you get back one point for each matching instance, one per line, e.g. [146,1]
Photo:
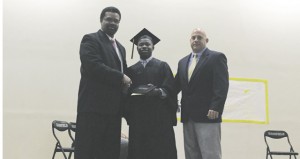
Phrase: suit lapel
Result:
[184,71]
[200,64]
[110,46]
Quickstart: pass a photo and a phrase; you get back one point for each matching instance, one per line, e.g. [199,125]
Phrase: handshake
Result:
[126,84]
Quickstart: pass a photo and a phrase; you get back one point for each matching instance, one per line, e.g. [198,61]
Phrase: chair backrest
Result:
[60,126]
[278,134]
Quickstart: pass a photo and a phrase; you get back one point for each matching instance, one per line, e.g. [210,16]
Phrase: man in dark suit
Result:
[202,77]
[102,84]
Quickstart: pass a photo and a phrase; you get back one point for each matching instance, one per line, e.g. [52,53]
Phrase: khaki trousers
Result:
[202,140]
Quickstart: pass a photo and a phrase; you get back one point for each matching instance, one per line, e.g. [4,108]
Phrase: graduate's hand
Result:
[150,84]
[154,92]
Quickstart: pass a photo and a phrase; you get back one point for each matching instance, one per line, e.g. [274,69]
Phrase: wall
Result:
[41,61]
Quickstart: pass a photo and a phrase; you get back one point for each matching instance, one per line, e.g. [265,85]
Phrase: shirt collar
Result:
[199,53]
[111,38]
[147,60]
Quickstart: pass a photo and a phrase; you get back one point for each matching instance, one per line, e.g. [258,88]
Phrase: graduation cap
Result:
[137,37]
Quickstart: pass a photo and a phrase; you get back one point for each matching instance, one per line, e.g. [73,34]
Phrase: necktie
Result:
[192,66]
[118,53]
[144,62]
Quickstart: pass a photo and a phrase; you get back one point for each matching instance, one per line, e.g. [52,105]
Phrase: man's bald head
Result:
[198,40]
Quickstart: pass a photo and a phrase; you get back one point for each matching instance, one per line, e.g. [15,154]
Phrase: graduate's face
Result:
[145,48]
[198,40]
[110,23]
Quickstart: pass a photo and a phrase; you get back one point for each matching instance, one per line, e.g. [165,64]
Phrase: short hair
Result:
[109,9]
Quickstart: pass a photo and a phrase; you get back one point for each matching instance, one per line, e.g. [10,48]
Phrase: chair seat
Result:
[283,153]
[66,149]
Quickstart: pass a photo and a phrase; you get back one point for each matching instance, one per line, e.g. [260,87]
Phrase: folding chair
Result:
[279,134]
[61,126]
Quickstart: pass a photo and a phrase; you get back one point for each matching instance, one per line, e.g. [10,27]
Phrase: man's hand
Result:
[212,114]
[126,80]
[126,83]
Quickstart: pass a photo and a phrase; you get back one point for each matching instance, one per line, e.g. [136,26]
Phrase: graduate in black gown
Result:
[151,107]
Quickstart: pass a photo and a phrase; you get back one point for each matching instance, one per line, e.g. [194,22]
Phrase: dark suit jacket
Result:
[100,87]
[207,88]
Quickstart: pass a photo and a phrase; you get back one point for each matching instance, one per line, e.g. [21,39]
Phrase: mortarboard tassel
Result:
[132,48]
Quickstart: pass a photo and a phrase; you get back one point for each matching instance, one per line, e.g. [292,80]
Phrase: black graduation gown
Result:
[151,119]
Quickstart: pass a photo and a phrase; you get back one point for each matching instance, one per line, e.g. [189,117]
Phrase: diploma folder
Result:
[142,89]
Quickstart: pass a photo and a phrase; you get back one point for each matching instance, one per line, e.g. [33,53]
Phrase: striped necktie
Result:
[192,66]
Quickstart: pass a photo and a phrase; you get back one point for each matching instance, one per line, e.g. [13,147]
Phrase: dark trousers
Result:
[97,136]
